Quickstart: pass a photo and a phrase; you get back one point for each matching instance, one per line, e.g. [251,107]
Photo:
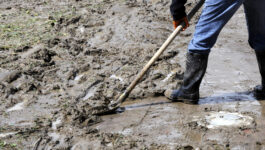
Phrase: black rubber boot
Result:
[259,91]
[196,65]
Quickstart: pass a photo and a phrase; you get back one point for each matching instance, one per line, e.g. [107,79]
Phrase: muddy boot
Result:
[196,65]
[259,91]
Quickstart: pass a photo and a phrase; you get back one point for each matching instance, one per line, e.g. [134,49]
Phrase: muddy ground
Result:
[63,61]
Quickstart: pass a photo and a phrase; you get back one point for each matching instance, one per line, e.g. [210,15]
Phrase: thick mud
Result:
[62,62]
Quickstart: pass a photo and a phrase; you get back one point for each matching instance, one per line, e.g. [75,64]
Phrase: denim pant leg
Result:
[255,15]
[215,15]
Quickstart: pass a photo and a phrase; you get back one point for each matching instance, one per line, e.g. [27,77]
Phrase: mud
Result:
[177,125]
[62,62]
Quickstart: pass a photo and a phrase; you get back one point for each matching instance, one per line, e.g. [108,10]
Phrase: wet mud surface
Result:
[62,62]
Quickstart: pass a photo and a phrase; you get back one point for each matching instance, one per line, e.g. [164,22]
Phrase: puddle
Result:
[3,135]
[18,106]
[221,119]
[228,97]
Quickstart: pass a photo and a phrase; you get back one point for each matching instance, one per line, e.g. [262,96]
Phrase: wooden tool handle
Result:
[154,58]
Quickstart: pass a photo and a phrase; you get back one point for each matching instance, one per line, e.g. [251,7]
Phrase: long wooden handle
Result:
[154,58]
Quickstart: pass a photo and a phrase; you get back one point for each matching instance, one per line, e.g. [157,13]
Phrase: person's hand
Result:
[178,22]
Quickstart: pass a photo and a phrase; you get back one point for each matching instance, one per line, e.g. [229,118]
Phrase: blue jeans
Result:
[217,13]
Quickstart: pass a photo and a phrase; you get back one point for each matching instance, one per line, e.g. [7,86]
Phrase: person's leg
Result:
[255,17]
[259,90]
[215,15]
[196,65]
